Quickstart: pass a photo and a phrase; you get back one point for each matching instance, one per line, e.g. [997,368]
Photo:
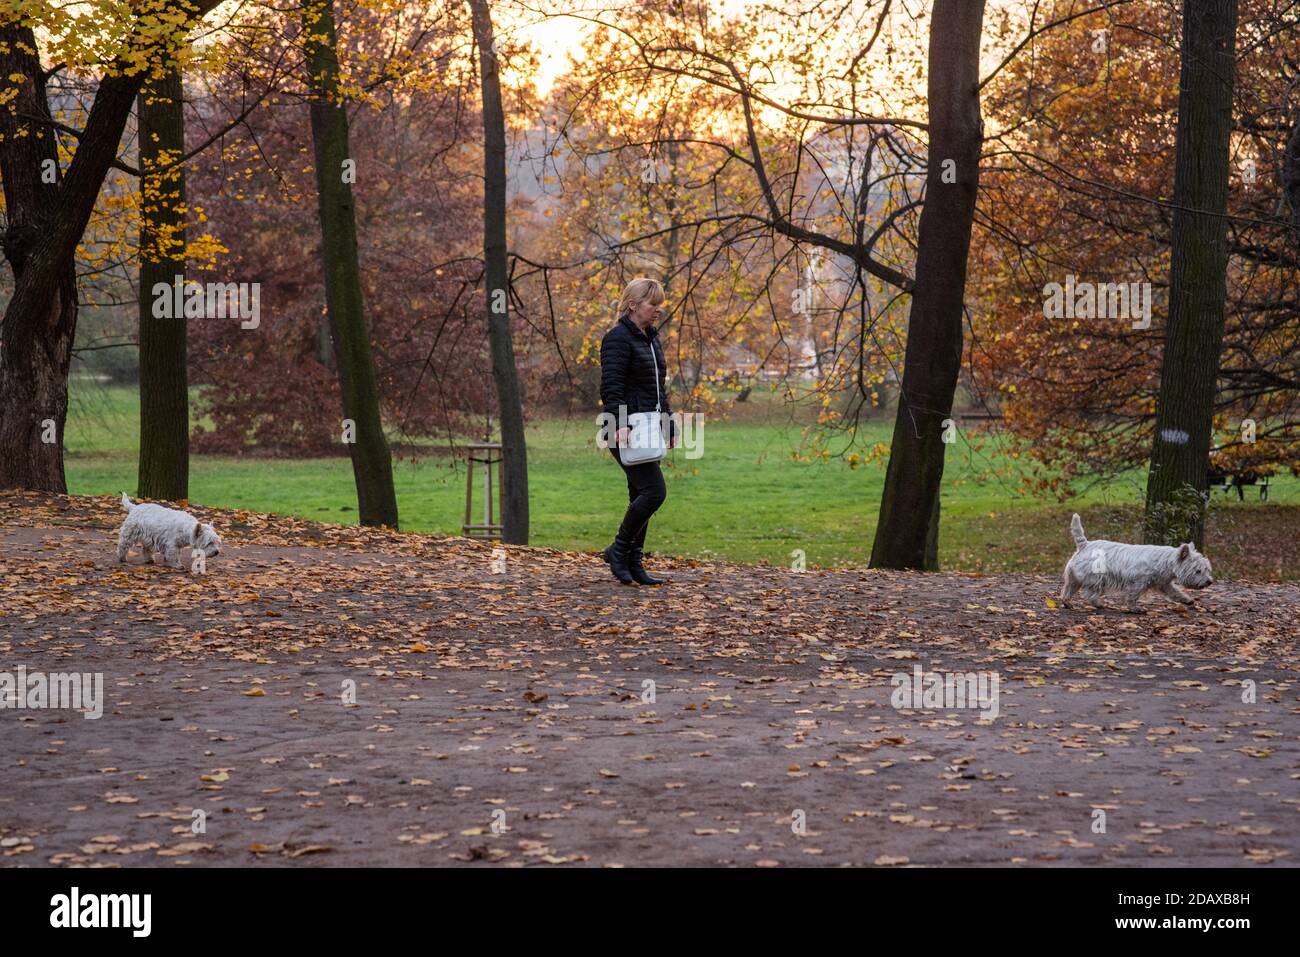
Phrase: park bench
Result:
[1239,480]
[975,417]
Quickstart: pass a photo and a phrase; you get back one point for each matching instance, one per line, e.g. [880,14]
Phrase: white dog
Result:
[1101,567]
[157,529]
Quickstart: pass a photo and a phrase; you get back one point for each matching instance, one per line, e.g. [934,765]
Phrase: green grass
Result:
[745,499]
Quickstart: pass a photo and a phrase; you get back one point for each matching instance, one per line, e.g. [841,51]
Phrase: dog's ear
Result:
[198,533]
[1184,550]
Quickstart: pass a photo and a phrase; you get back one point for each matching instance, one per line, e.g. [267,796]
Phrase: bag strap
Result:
[654,361]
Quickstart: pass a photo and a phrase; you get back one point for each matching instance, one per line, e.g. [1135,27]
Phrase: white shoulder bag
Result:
[645,442]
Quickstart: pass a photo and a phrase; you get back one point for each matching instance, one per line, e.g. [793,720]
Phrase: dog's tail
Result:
[126,503]
[1076,530]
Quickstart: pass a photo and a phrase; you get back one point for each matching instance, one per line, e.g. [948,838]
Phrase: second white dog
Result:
[164,530]
[1101,567]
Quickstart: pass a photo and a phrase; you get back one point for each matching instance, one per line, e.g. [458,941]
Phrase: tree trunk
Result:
[372,465]
[907,534]
[1176,483]
[1291,181]
[47,217]
[41,319]
[514,482]
[164,396]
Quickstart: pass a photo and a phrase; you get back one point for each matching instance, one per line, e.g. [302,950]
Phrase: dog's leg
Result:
[148,553]
[1177,594]
[1131,597]
[1069,587]
[123,545]
[173,556]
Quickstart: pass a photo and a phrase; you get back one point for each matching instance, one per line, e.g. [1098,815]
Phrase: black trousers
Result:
[646,491]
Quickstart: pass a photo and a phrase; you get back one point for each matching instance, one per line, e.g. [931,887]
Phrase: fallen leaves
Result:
[285,849]
[755,713]
[185,847]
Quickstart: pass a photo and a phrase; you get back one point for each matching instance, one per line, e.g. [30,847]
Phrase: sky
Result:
[556,38]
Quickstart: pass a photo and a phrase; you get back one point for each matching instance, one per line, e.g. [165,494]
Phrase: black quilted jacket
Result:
[629,361]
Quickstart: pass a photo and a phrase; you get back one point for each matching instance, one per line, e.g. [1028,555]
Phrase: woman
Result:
[632,373]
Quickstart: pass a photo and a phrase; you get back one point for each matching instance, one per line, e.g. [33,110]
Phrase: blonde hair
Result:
[641,289]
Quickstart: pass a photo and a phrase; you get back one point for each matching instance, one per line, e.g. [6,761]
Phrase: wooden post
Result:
[490,454]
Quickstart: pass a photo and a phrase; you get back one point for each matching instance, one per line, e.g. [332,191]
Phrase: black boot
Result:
[617,555]
[638,571]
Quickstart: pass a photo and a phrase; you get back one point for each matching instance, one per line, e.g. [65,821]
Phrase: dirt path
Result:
[506,716]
